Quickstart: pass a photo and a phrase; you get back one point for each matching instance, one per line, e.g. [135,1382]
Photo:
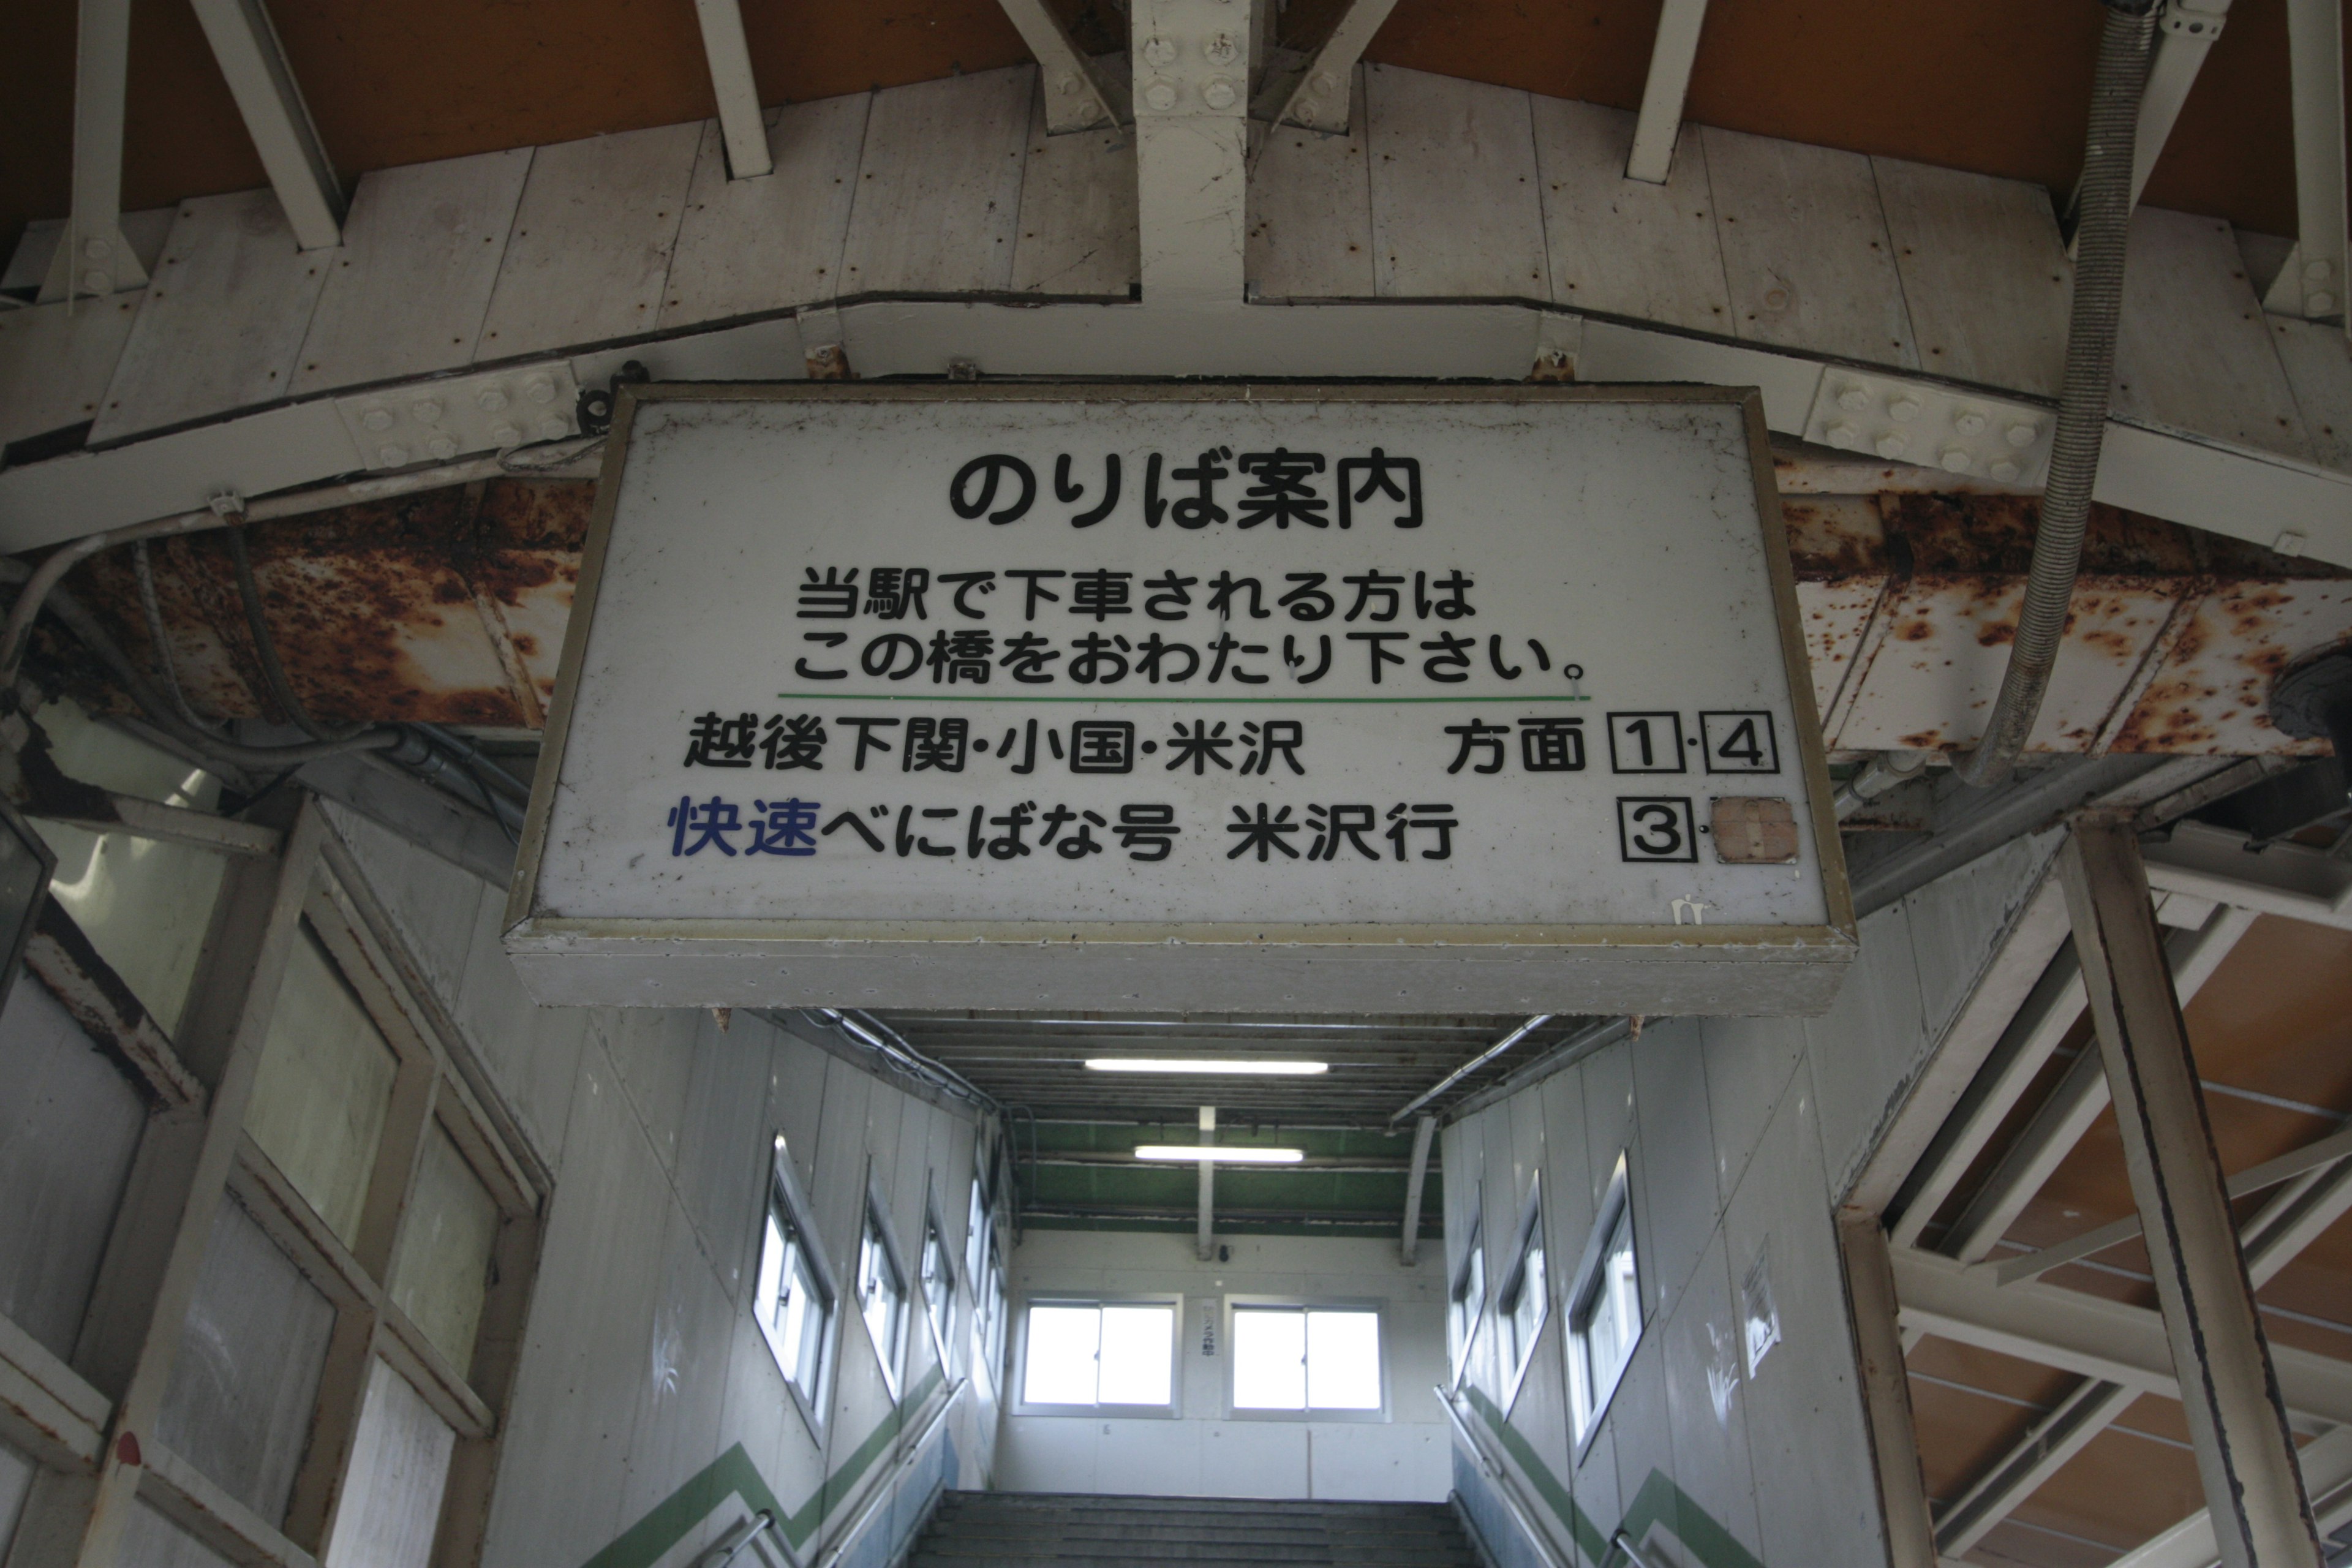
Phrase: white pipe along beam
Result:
[245,44]
[2075,1103]
[1318,95]
[93,257]
[1672,55]
[2311,283]
[1078,96]
[2237,1423]
[741,127]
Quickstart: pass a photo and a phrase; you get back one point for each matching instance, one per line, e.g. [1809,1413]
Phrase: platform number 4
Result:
[1656,828]
[1739,742]
[1645,742]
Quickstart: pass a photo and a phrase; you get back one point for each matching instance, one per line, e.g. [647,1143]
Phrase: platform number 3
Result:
[1656,828]
[1739,742]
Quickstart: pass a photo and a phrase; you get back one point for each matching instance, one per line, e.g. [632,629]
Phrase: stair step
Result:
[1071,1530]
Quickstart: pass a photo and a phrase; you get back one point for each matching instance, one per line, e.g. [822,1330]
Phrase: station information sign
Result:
[1290,698]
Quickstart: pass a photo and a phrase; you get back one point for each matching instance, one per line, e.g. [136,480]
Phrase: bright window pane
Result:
[1616,1305]
[1527,1305]
[1269,1359]
[144,903]
[882,1296]
[1343,1361]
[1139,1350]
[800,1326]
[400,1464]
[1061,1345]
[325,1075]
[443,1267]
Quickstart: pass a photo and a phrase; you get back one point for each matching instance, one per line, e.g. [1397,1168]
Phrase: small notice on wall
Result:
[1295,698]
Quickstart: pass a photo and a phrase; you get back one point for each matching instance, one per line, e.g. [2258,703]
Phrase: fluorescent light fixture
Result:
[1234,1066]
[1221,1153]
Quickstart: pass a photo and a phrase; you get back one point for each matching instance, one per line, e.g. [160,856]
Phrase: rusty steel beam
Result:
[449,606]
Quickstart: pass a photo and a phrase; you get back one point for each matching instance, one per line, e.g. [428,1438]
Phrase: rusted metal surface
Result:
[445,606]
[450,606]
[61,958]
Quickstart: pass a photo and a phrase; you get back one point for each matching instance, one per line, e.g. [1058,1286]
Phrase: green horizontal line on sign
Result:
[1146,701]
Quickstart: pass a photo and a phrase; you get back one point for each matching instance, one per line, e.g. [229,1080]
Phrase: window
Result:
[1465,1302]
[975,1228]
[797,1295]
[1306,1359]
[882,1291]
[1604,1315]
[938,1272]
[1083,1356]
[1526,1300]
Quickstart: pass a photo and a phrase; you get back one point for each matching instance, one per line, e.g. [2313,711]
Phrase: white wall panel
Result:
[750,246]
[1454,205]
[1675,1135]
[1627,247]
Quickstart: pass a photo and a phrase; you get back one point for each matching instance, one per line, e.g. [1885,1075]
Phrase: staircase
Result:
[1045,1529]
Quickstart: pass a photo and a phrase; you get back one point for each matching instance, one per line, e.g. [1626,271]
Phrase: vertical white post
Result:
[2311,284]
[2229,1390]
[1885,1389]
[92,257]
[1672,55]
[1191,136]
[1205,1245]
[740,125]
[1423,1132]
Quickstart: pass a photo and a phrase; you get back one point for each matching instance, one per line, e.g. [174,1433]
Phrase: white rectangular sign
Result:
[1290,698]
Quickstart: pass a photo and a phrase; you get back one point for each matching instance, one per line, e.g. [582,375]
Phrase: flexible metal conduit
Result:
[2105,205]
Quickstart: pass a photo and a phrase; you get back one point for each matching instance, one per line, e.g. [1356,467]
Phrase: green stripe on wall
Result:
[732,1474]
[1660,1501]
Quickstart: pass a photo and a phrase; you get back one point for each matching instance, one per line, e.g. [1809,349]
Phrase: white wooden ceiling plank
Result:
[407,290]
[1310,214]
[1805,250]
[750,246]
[2318,363]
[1984,272]
[1454,206]
[939,186]
[1622,247]
[223,321]
[2194,353]
[1077,233]
[592,242]
[56,360]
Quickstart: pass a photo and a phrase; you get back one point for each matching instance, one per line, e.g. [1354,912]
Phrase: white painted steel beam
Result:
[2326,1465]
[2313,282]
[1317,95]
[245,44]
[2088,1335]
[1672,55]
[1079,95]
[93,257]
[740,125]
[2075,1103]
[1204,1244]
[1192,71]
[2290,879]
[2065,1431]
[2183,39]
[2237,1421]
[1886,1388]
[1423,1132]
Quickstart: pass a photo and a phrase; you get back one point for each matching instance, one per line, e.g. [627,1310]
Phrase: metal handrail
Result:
[880,1493]
[730,1546]
[1508,1490]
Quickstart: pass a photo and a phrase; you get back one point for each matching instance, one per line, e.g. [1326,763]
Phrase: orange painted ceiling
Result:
[1998,86]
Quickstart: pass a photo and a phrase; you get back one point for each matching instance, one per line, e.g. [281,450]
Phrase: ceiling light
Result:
[1223,1154]
[1234,1066]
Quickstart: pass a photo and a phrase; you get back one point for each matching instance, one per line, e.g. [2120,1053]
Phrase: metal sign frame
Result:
[1656,968]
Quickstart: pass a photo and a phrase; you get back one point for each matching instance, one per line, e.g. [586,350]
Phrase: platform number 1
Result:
[1645,742]
[1656,828]
[1739,742]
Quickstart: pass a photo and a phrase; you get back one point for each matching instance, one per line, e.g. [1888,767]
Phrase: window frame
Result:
[1235,1305]
[941,1331]
[784,1187]
[1017,1387]
[1459,1295]
[1529,1236]
[1589,1404]
[876,1224]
